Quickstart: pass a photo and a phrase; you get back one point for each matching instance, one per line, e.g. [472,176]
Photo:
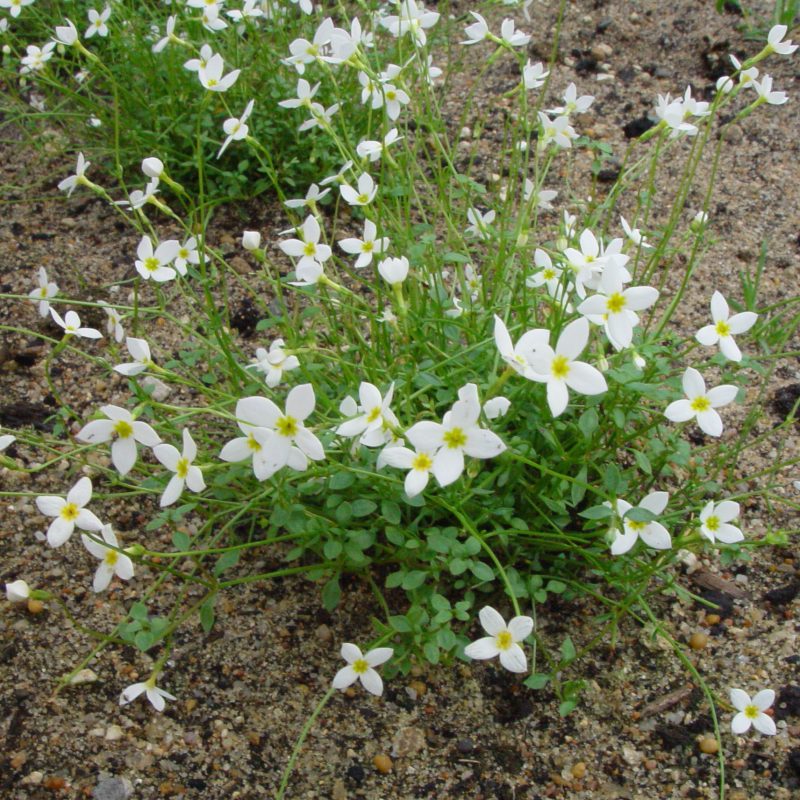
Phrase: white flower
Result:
[251,240]
[69,513]
[71,323]
[46,290]
[187,254]
[36,57]
[513,37]
[503,640]
[66,34]
[393,270]
[724,326]
[154,264]
[311,253]
[556,131]
[519,356]
[274,363]
[776,43]
[361,667]
[112,561]
[5,440]
[365,193]
[559,370]
[751,712]
[479,223]
[375,415]
[419,465]
[169,33]
[155,695]
[114,323]
[78,179]
[211,75]
[14,6]
[124,430]
[478,31]
[367,247]
[700,404]
[412,19]
[153,167]
[140,350]
[138,199]
[313,196]
[534,75]
[766,94]
[715,522]
[456,436]
[97,22]
[653,533]
[634,234]
[496,407]
[273,438]
[17,591]
[572,103]
[183,467]
[373,149]
[236,128]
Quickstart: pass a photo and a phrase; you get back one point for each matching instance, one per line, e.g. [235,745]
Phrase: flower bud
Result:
[153,167]
[251,240]
[698,222]
[17,591]
[394,270]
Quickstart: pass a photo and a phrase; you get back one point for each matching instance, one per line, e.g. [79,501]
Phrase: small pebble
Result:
[712,619]
[419,687]
[35,606]
[697,641]
[84,676]
[382,763]
[709,745]
[465,746]
[650,764]
[579,770]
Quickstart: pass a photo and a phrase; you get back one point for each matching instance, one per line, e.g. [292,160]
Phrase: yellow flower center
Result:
[422,461]
[701,403]
[70,512]
[212,82]
[43,291]
[390,95]
[504,640]
[560,367]
[367,247]
[253,443]
[286,426]
[151,264]
[310,249]
[722,328]
[123,429]
[549,274]
[362,198]
[183,253]
[635,525]
[182,470]
[712,523]
[455,438]
[111,557]
[751,711]
[615,303]
[360,666]
[374,414]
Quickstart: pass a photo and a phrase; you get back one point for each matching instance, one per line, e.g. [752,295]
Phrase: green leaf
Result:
[578,490]
[438,542]
[612,478]
[537,681]
[400,624]
[588,423]
[446,639]
[568,652]
[394,579]
[457,566]
[556,587]
[638,514]
[181,541]
[395,536]
[596,512]
[207,614]
[482,571]
[344,513]
[363,508]
[331,594]
[455,258]
[643,462]
[439,602]
[332,549]
[431,650]
[568,706]
[391,512]
[226,561]
[138,611]
[341,480]
[144,640]
[413,579]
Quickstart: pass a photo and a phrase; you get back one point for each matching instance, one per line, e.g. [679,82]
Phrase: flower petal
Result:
[372,682]
[679,411]
[378,656]
[514,659]
[483,648]
[123,455]
[710,422]
[739,699]
[300,401]
[520,628]
[492,621]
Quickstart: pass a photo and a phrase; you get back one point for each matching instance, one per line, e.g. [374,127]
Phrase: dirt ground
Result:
[461,731]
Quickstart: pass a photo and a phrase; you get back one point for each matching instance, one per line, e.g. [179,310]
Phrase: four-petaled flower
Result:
[154,263]
[274,363]
[211,77]
[715,521]
[182,465]
[361,667]
[154,694]
[751,712]
[71,323]
[78,179]
[69,513]
[42,295]
[700,404]
[140,350]
[112,561]
[503,640]
[375,415]
[367,247]
[652,533]
[724,327]
[124,430]
[311,253]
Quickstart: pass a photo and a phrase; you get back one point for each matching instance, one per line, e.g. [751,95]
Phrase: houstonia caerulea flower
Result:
[724,327]
[559,370]
[112,561]
[114,322]
[5,441]
[367,247]
[503,640]
[775,41]
[36,57]
[187,254]
[715,521]
[274,363]
[418,464]
[78,179]
[362,196]
[15,6]
[211,76]
[17,591]
[125,432]
[751,712]
[154,264]
[518,356]
[183,467]
[534,75]
[413,19]
[273,438]
[97,22]
[634,234]
[653,533]
[311,253]
[155,695]
[375,416]
[66,34]
[394,270]
[313,196]
[69,513]
[700,404]
[236,128]
[71,323]
[140,351]
[361,667]
[457,435]
[766,94]
[42,295]
[479,223]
